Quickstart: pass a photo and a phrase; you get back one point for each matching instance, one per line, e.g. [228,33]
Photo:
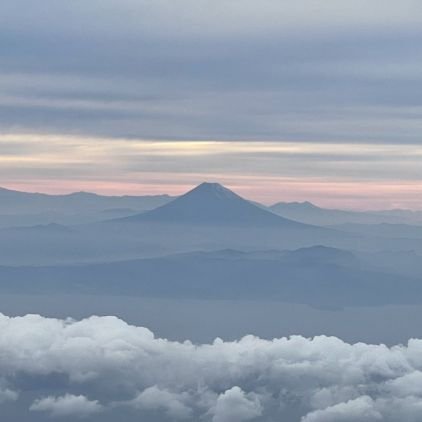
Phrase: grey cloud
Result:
[360,409]
[6,394]
[67,405]
[207,16]
[244,70]
[402,409]
[110,365]
[235,406]
[173,404]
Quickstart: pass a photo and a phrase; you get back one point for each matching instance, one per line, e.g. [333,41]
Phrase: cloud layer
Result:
[101,364]
[305,70]
[330,174]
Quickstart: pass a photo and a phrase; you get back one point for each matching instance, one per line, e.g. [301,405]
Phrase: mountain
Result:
[28,209]
[316,276]
[321,255]
[212,203]
[306,212]
[52,228]
[26,202]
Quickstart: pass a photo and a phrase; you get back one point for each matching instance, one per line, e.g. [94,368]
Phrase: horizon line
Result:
[121,195]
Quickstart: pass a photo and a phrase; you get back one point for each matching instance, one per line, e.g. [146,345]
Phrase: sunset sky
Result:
[314,100]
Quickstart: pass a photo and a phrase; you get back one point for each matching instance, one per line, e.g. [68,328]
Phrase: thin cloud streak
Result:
[331,174]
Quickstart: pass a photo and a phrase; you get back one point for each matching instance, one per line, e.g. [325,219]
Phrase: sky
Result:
[308,100]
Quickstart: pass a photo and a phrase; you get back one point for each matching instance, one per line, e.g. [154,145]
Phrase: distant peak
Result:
[302,203]
[297,205]
[81,194]
[212,189]
[212,203]
[309,204]
[212,186]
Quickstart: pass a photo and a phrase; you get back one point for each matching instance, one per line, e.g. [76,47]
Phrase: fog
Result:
[204,320]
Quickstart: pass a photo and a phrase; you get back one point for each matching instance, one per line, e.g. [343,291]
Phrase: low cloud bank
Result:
[101,363]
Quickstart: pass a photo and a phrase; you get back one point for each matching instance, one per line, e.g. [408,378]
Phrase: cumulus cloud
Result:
[235,406]
[67,405]
[360,409]
[172,404]
[103,364]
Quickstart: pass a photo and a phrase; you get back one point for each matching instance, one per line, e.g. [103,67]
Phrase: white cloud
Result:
[407,409]
[68,405]
[116,365]
[407,385]
[235,406]
[360,409]
[171,403]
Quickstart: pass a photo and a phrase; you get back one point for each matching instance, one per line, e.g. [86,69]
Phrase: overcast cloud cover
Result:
[200,69]
[306,72]
[92,367]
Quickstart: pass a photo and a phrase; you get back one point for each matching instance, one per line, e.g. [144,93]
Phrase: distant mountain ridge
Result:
[317,276]
[53,206]
[12,201]
[309,213]
[31,209]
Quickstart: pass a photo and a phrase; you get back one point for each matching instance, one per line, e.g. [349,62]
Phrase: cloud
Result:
[331,174]
[360,409]
[235,406]
[305,70]
[188,17]
[7,395]
[103,364]
[67,405]
[172,404]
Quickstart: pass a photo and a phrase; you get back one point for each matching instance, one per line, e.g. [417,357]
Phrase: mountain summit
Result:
[212,203]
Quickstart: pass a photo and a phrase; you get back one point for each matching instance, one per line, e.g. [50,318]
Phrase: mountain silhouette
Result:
[212,203]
